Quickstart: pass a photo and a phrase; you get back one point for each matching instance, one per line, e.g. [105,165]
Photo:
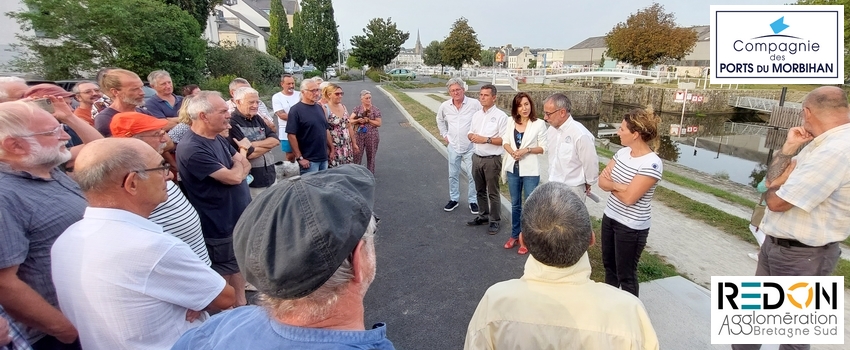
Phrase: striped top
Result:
[635,216]
[179,219]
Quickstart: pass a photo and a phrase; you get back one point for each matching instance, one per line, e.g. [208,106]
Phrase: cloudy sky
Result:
[534,23]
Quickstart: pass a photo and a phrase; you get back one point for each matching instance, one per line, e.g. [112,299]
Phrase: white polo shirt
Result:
[124,284]
[572,154]
[454,122]
[490,123]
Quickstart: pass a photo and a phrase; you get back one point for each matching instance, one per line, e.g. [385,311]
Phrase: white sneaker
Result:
[250,287]
[754,256]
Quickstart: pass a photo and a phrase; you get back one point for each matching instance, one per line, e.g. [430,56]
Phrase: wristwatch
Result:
[299,158]
[488,140]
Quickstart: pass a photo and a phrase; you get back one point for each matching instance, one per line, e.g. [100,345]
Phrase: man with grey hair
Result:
[570,147]
[555,305]
[214,175]
[152,287]
[454,118]
[165,104]
[12,88]
[308,130]
[32,146]
[87,93]
[262,110]
[310,298]
[245,123]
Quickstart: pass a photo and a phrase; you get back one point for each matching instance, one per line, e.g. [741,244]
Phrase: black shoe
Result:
[450,206]
[473,208]
[477,221]
[494,227]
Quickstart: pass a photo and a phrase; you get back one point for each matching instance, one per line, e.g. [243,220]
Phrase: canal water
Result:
[704,160]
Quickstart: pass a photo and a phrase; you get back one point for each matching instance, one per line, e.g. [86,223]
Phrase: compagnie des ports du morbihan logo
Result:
[777,310]
[790,44]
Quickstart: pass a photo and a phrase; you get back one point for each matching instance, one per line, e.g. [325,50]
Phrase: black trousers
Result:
[485,173]
[621,249]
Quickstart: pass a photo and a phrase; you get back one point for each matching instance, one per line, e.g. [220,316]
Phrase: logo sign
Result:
[777,310]
[790,44]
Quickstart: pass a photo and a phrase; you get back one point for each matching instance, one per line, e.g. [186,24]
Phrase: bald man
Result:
[808,205]
[151,287]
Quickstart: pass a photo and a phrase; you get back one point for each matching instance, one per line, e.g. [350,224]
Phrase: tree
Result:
[296,39]
[845,3]
[487,58]
[649,37]
[532,63]
[278,32]
[461,46]
[353,63]
[381,44]
[138,35]
[431,54]
[319,38]
[199,9]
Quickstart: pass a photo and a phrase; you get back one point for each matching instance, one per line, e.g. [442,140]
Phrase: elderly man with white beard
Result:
[37,203]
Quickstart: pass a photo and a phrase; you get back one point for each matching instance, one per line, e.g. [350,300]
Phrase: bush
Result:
[376,75]
[312,73]
[344,77]
[220,84]
[245,62]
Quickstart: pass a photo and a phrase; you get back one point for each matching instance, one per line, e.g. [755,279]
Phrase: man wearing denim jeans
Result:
[453,119]
[308,130]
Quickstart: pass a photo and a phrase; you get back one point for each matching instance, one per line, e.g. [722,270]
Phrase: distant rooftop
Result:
[703,34]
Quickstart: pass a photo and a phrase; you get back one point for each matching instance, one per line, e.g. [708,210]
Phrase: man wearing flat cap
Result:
[307,244]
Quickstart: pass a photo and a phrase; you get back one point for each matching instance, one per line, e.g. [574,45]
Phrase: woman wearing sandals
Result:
[631,177]
[523,141]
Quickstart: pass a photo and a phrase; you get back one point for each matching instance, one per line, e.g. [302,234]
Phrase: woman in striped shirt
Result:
[631,177]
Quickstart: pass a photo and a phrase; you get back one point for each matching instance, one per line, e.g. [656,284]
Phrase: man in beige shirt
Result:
[555,305]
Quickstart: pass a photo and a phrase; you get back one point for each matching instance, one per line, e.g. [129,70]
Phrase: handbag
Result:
[758,212]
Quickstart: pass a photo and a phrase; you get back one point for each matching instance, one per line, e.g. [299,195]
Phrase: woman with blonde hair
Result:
[341,128]
[631,177]
[524,141]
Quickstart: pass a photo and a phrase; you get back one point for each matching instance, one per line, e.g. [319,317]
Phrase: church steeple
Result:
[418,48]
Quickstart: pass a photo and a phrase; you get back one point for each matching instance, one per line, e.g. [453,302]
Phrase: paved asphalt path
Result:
[432,268]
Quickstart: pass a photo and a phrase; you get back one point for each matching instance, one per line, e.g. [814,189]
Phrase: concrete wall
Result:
[586,104]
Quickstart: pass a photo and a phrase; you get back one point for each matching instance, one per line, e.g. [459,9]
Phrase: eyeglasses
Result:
[57,131]
[313,90]
[339,93]
[549,114]
[164,168]
[158,134]
[90,91]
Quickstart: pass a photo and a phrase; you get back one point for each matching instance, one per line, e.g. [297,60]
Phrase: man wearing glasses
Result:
[37,202]
[121,281]
[87,93]
[570,147]
[308,130]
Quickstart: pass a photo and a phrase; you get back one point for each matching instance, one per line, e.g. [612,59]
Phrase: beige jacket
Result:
[534,136]
[559,308]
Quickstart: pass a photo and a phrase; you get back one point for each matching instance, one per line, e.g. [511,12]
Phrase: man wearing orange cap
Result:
[176,216]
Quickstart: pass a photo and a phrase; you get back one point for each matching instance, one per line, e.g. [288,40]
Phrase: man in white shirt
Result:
[120,280]
[571,148]
[281,103]
[453,120]
[555,305]
[485,133]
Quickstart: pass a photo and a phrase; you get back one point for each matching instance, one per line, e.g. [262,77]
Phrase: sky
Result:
[557,24]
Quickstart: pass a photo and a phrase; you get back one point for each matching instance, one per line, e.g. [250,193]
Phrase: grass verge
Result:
[438,97]
[651,266]
[725,222]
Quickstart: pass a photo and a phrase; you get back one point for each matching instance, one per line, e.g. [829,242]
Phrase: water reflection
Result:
[737,169]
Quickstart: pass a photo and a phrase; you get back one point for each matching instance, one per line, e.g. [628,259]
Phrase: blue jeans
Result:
[517,185]
[455,162]
[314,167]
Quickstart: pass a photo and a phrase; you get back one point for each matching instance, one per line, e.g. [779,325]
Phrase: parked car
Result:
[308,68]
[331,72]
[402,73]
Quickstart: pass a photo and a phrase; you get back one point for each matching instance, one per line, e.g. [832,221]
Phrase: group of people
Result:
[492,147]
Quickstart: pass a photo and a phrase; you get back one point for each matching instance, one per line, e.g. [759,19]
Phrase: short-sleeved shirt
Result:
[490,123]
[251,327]
[819,190]
[160,108]
[124,284]
[104,118]
[33,213]
[179,219]
[255,129]
[281,102]
[219,205]
[636,216]
[310,127]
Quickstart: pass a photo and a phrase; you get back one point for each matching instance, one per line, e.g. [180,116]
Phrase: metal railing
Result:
[731,128]
[760,104]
